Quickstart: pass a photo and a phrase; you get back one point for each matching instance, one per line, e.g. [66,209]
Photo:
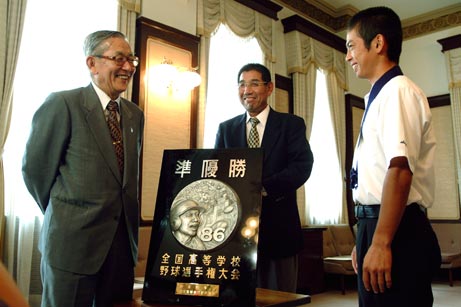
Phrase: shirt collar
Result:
[376,88]
[262,117]
[103,97]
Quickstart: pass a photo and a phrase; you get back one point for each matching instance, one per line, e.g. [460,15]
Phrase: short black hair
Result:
[265,73]
[379,20]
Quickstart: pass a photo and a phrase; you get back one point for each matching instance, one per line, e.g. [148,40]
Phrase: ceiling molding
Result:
[329,19]
[449,10]
[347,10]
[432,25]
[335,20]
[265,7]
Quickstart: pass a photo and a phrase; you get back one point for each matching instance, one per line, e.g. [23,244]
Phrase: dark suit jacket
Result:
[287,165]
[70,168]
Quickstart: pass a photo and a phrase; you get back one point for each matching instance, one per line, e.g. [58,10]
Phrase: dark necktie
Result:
[115,132]
[253,137]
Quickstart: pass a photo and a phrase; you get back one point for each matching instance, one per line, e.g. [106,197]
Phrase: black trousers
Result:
[415,259]
[279,274]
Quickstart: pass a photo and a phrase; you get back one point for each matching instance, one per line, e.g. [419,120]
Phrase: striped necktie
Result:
[115,133]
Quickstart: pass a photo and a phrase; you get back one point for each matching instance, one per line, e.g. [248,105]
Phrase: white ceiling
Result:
[406,9]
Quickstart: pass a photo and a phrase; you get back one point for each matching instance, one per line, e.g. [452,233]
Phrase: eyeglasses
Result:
[251,84]
[120,60]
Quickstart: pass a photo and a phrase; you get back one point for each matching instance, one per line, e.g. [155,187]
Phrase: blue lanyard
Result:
[391,73]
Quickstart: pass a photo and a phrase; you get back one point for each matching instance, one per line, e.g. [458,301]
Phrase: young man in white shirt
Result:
[397,252]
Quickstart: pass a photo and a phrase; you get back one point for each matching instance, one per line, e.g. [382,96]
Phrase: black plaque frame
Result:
[234,283]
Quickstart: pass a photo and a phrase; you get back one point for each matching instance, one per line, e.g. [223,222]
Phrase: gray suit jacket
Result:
[70,168]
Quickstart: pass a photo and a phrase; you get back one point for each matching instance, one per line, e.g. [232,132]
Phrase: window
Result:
[51,59]
[228,53]
[324,187]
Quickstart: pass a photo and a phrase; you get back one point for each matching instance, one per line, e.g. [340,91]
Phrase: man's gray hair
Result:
[94,42]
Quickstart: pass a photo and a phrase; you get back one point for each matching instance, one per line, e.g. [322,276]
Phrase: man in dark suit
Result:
[287,164]
[87,192]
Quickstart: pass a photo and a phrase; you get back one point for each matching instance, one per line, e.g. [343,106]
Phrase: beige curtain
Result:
[11,23]
[304,56]
[204,52]
[453,64]
[338,117]
[128,11]
[244,22]
[304,92]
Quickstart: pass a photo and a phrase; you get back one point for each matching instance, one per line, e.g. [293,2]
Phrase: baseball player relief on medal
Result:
[204,214]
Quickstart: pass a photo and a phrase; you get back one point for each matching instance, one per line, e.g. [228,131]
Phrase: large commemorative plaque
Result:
[203,247]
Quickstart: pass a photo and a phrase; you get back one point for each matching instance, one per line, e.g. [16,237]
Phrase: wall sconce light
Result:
[166,75]
[189,78]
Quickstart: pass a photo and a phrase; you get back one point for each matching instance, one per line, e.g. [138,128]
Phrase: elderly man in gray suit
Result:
[81,165]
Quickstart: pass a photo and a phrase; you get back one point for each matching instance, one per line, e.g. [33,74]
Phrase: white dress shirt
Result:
[398,123]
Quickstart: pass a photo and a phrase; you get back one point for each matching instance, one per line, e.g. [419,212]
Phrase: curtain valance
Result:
[302,50]
[242,20]
[131,5]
